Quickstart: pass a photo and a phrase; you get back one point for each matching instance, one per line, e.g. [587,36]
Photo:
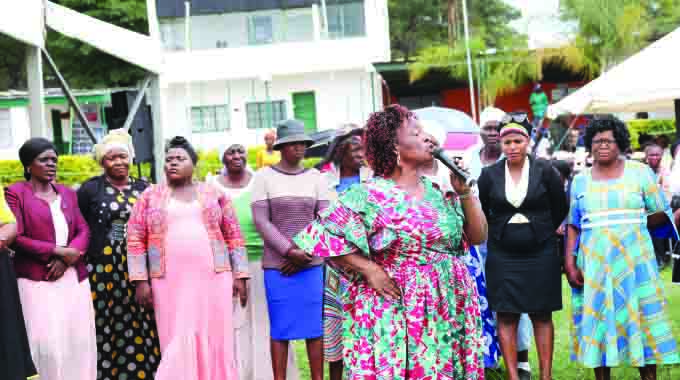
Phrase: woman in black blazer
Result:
[524,201]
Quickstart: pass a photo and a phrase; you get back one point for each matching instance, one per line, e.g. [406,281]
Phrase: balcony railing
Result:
[330,19]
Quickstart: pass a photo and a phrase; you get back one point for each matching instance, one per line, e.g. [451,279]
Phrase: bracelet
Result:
[465,196]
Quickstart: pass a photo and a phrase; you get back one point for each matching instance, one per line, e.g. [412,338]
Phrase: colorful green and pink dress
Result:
[435,330]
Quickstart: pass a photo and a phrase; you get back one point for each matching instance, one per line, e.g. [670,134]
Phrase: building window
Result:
[265,114]
[346,20]
[210,118]
[5,129]
[260,30]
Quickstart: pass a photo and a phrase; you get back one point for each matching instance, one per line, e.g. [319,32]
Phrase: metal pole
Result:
[324,19]
[469,62]
[187,48]
[373,90]
[69,95]
[136,104]
[677,117]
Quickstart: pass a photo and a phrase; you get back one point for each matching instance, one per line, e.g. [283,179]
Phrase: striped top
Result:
[284,204]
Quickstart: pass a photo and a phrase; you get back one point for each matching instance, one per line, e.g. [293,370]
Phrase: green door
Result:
[304,109]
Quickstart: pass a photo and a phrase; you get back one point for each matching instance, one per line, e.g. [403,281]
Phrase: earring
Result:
[398,159]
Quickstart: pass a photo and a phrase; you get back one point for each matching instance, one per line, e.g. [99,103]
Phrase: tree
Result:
[419,24]
[12,64]
[82,65]
[611,30]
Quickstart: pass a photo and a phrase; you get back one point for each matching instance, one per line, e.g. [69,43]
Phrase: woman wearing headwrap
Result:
[524,201]
[15,354]
[127,341]
[251,321]
[185,244]
[269,156]
[52,238]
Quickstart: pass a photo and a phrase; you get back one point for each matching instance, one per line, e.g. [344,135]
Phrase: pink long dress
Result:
[193,304]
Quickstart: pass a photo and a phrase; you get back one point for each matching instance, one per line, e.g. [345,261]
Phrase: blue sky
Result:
[540,21]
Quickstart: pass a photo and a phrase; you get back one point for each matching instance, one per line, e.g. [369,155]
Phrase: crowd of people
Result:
[383,262]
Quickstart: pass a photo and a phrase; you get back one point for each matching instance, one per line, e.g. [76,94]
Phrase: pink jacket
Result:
[147,228]
[35,241]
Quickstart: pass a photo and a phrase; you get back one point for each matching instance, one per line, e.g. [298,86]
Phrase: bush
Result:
[74,170]
[650,127]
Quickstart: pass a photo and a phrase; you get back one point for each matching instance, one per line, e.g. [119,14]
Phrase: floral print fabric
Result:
[435,330]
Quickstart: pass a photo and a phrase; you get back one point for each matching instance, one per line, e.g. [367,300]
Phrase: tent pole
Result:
[677,118]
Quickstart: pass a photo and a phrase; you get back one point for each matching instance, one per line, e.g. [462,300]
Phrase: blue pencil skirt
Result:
[295,303]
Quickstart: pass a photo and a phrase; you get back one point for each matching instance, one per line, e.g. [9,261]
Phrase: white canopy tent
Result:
[647,81]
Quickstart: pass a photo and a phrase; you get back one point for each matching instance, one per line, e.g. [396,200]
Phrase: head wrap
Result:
[179,142]
[491,114]
[515,122]
[116,139]
[31,149]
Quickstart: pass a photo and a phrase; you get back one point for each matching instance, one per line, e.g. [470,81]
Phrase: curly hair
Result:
[601,124]
[381,138]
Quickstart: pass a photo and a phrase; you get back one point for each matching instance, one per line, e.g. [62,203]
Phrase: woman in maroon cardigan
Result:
[52,237]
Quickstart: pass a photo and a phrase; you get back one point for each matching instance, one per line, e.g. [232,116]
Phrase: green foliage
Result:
[85,67]
[650,127]
[419,24]
[12,64]
[611,30]
[73,170]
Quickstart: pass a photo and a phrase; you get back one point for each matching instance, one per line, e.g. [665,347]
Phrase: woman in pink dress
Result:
[188,234]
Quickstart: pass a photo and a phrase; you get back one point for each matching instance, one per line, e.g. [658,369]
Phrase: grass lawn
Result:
[563,368]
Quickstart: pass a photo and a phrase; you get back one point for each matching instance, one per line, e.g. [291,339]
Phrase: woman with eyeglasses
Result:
[524,201]
[618,303]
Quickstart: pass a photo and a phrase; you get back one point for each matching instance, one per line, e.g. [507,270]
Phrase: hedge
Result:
[650,127]
[74,170]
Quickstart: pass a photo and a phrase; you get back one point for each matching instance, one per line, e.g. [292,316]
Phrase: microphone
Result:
[439,154]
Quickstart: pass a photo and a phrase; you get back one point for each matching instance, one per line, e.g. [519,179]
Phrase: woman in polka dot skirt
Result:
[127,341]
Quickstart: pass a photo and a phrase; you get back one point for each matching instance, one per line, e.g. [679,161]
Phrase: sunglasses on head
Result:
[519,118]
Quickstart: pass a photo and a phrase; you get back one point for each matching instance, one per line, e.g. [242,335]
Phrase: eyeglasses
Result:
[603,142]
[519,118]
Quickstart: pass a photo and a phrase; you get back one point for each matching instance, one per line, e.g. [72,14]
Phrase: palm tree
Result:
[607,31]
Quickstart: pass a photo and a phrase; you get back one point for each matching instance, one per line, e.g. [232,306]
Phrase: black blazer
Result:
[545,204]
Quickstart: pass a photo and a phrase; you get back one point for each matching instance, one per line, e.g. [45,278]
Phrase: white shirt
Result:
[60,224]
[516,192]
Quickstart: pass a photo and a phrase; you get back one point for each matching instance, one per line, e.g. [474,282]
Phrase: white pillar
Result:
[156,99]
[36,92]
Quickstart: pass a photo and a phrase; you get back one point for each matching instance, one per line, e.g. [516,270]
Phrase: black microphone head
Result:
[437,152]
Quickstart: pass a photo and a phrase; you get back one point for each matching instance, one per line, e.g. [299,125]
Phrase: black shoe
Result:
[524,374]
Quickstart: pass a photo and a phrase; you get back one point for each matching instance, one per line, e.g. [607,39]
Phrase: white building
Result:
[233,68]
[62,126]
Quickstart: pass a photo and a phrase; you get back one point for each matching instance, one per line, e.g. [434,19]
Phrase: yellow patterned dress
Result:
[620,316]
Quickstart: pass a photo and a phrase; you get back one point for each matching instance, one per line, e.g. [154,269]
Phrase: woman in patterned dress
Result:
[618,303]
[412,309]
[127,341]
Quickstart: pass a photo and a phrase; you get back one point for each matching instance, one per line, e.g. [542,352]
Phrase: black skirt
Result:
[15,353]
[523,275]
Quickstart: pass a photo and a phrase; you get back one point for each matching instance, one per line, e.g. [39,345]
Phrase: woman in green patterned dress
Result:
[412,309]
